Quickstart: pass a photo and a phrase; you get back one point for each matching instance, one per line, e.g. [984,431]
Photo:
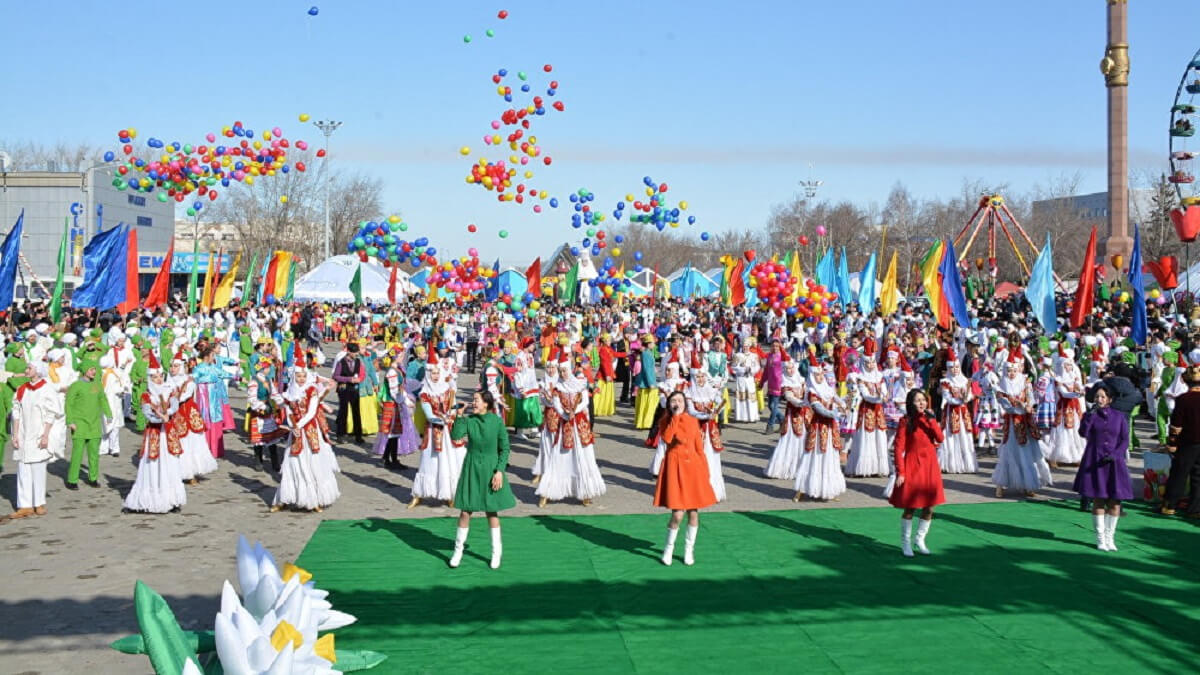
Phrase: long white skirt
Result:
[1066,445]
[745,405]
[197,459]
[158,487]
[820,473]
[545,446]
[868,454]
[957,453]
[571,473]
[656,461]
[308,480]
[785,460]
[715,478]
[558,473]
[1020,467]
[437,474]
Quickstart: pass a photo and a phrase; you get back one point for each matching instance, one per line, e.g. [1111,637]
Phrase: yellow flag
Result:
[206,296]
[889,297]
[795,273]
[224,292]
[930,280]
[432,296]
[283,269]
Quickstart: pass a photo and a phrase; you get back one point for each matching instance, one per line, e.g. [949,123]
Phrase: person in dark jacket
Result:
[1184,446]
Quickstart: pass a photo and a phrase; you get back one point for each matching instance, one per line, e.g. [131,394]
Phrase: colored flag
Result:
[571,285]
[132,299]
[932,282]
[192,279]
[795,273]
[889,297]
[356,285]
[392,284]
[843,281]
[491,290]
[162,281]
[1140,328]
[1085,292]
[10,253]
[57,297]
[291,279]
[269,277]
[726,271]
[1040,291]
[206,297]
[224,292]
[952,287]
[533,278]
[98,272]
[737,284]
[825,269]
[248,284]
[283,270]
[866,286]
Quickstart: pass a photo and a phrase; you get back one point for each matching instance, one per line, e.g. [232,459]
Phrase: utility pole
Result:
[327,127]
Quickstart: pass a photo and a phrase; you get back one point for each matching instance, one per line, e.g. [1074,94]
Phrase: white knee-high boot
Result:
[922,530]
[1110,529]
[689,544]
[497,549]
[460,541]
[906,537]
[1101,531]
[669,549]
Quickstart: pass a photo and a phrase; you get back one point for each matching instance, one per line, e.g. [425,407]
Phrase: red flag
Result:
[162,281]
[654,286]
[737,285]
[533,278]
[269,281]
[392,284]
[1085,292]
[131,276]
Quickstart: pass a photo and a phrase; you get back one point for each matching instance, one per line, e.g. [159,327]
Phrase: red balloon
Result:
[558,105]
[212,195]
[749,255]
[804,240]
[547,160]
[471,228]
[547,67]
[503,14]
[300,166]
[321,152]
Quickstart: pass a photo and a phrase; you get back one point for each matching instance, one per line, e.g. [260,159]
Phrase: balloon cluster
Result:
[813,302]
[781,292]
[655,209]
[462,278]
[379,240]
[501,177]
[182,169]
[520,307]
[610,280]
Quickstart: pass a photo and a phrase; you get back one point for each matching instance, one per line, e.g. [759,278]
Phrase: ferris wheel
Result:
[1183,127]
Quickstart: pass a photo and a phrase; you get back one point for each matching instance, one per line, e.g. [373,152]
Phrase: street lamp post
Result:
[327,127]
[810,189]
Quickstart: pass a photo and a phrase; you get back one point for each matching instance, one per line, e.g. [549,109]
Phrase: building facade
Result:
[1094,207]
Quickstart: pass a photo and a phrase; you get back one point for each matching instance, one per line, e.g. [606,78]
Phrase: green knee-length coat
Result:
[487,453]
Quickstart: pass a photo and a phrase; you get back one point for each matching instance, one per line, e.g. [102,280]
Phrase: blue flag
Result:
[10,252]
[113,291]
[825,269]
[843,281]
[866,286]
[952,286]
[1139,328]
[491,291]
[1040,291]
[98,266]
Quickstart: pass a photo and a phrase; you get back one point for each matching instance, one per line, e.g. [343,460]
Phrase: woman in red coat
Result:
[683,483]
[918,477]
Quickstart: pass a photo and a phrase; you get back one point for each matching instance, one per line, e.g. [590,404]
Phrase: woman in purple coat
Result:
[1103,475]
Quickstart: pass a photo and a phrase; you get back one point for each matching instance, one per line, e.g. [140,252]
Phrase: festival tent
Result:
[1006,288]
[330,281]
[855,285]
[513,281]
[637,290]
[692,283]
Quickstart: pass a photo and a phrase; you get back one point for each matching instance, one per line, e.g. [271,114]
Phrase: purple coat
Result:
[773,374]
[1103,473]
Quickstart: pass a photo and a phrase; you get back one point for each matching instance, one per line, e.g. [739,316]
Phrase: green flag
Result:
[56,299]
[192,279]
[291,281]
[571,285]
[248,285]
[356,285]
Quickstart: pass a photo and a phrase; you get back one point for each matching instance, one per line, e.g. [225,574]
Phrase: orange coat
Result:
[683,480]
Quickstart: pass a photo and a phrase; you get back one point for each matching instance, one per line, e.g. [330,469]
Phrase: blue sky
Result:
[727,103]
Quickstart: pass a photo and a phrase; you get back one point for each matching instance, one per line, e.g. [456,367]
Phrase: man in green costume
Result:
[85,408]
[166,344]
[483,484]
[12,377]
[245,352]
[138,377]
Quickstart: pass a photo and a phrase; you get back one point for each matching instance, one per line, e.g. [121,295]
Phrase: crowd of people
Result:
[862,395]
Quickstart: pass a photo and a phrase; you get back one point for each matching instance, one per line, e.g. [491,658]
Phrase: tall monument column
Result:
[1115,67]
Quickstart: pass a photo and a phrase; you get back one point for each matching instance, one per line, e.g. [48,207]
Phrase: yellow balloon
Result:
[629,197]
[470,178]
[649,192]
[616,252]
[257,145]
[248,180]
[464,150]
[529,174]
[683,206]
[500,90]
[304,117]
[132,132]
[533,140]
[1155,294]
[266,135]
[283,199]
[535,305]
[675,224]
[496,139]
[542,194]
[393,219]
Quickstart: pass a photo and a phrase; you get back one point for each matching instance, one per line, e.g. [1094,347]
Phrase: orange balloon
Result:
[1117,261]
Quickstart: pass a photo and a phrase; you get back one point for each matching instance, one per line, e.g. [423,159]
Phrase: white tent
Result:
[330,282]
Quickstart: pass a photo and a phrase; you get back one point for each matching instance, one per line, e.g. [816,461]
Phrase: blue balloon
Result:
[312,11]
[198,205]
[224,182]
[108,156]
[431,251]
[691,220]
[620,239]
[525,88]
[503,72]
[637,255]
[554,202]
[575,251]
[586,242]
[284,168]
[648,181]
[383,226]
[508,98]
[703,236]
[637,268]
[595,250]
[423,241]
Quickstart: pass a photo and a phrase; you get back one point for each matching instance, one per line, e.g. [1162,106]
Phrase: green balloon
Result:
[504,234]
[502,305]
[466,38]
[491,33]
[521,75]
[531,312]
[191,211]
[188,148]
[591,232]
[162,196]
[404,227]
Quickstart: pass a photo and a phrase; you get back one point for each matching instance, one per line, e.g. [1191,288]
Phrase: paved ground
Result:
[70,573]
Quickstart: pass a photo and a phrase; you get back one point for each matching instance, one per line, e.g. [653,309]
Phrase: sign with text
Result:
[181,263]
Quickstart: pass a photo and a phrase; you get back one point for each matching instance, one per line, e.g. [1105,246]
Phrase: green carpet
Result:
[1011,588]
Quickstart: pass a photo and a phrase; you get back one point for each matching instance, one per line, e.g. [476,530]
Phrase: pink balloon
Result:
[211,138]
[821,230]
[537,208]
[487,140]
[525,159]
[472,252]
[495,124]
[277,131]
[303,145]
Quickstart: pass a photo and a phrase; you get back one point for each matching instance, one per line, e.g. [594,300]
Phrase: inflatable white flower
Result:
[247,646]
[265,589]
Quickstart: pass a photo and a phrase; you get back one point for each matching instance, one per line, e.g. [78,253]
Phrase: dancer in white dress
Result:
[956,454]
[307,479]
[158,487]
[820,472]
[197,460]
[1020,464]
[704,402]
[785,460]
[989,415]
[1066,445]
[549,429]
[116,386]
[668,385]
[745,374]
[570,470]
[441,456]
[868,446]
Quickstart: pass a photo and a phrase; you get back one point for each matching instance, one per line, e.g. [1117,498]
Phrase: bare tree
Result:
[62,156]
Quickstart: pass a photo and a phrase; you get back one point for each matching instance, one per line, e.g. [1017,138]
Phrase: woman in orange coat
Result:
[683,483]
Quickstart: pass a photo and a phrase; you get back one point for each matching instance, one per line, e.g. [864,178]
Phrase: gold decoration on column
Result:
[1115,64]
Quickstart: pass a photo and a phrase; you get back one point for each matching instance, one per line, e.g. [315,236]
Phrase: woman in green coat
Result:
[482,485]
